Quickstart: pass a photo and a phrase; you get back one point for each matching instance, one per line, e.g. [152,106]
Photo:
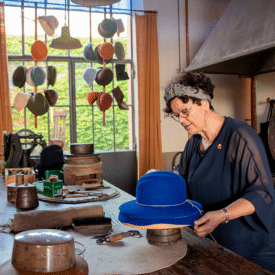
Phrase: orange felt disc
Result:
[39,50]
[92,97]
[106,50]
[104,101]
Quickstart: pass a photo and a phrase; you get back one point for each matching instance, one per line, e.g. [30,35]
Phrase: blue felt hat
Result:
[88,53]
[161,199]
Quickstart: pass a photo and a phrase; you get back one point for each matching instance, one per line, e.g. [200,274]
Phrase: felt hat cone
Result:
[19,76]
[118,95]
[106,50]
[92,97]
[104,102]
[51,96]
[65,41]
[39,50]
[21,101]
[48,23]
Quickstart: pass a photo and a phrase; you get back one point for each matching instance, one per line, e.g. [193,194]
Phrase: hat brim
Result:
[133,213]
[157,226]
[80,268]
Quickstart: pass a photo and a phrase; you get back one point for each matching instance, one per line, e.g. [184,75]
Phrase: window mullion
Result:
[72,102]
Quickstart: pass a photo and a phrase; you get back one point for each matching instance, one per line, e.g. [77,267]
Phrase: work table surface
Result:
[204,256]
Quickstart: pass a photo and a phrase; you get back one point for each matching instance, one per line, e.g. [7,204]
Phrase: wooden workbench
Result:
[203,255]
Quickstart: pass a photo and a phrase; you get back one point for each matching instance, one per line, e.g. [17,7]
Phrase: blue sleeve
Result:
[252,176]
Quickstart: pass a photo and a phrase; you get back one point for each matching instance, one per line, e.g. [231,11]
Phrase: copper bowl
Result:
[43,250]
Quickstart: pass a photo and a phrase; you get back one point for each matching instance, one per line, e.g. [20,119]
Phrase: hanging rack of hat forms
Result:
[103,54]
[36,76]
[49,24]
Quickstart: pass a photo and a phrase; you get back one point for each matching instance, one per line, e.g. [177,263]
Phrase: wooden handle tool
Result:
[118,236]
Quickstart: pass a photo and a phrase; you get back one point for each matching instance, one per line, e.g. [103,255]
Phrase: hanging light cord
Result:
[65,11]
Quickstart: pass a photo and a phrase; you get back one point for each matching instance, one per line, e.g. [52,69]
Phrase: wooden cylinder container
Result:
[78,168]
[11,192]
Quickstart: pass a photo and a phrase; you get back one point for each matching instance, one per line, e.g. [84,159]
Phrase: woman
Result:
[225,168]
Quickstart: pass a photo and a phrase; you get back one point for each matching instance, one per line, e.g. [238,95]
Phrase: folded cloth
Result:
[38,219]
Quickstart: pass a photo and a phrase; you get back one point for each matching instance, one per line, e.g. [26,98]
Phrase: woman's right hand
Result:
[208,222]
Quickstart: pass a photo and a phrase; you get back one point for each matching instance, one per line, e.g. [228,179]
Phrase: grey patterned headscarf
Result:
[178,90]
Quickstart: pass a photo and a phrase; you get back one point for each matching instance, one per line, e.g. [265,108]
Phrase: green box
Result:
[53,189]
[58,173]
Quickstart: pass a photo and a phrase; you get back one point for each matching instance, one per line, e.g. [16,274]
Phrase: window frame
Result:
[71,61]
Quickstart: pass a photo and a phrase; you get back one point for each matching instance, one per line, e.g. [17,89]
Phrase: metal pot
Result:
[43,250]
[26,196]
[82,148]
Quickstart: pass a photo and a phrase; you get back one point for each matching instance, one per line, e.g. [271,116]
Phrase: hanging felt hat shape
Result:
[161,203]
[120,26]
[118,95]
[39,50]
[104,77]
[38,104]
[89,75]
[119,50]
[88,53]
[121,74]
[48,23]
[51,96]
[98,57]
[65,41]
[51,75]
[94,3]
[21,101]
[38,75]
[19,76]
[104,101]
[106,50]
[92,97]
[107,28]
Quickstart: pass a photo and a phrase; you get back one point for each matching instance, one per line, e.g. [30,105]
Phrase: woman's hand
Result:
[208,222]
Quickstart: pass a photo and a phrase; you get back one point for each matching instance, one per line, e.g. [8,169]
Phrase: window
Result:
[72,117]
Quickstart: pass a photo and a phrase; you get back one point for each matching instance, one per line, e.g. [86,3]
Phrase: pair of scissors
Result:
[119,236]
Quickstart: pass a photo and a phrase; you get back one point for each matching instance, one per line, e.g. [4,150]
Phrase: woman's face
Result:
[194,122]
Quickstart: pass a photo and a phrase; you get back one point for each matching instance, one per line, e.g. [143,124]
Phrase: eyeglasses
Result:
[184,113]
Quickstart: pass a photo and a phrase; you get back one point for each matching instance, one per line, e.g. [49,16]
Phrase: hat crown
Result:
[161,188]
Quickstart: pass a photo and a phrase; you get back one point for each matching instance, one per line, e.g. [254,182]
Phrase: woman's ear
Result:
[205,104]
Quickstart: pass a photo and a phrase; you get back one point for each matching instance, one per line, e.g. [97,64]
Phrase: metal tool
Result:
[77,192]
[119,236]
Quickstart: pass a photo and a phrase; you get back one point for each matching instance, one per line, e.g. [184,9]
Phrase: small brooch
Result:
[219,146]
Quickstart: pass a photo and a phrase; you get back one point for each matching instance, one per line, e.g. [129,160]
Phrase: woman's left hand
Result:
[208,222]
